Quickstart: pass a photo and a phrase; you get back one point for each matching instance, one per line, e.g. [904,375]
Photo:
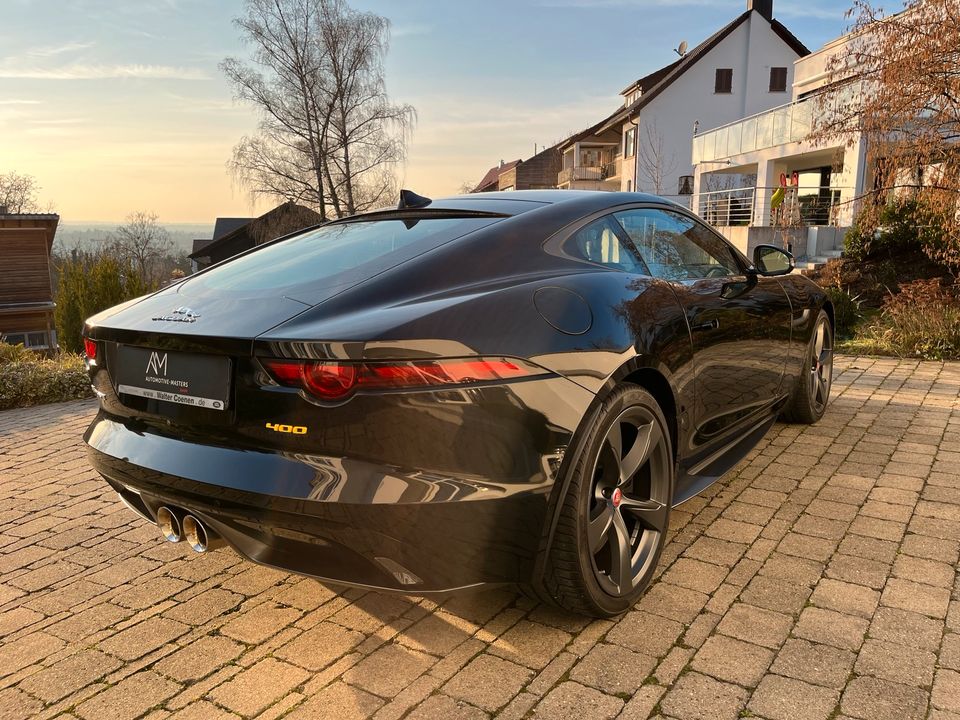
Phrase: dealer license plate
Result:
[183,378]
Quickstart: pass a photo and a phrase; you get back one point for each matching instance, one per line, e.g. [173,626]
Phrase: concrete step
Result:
[823,241]
[807,266]
[815,263]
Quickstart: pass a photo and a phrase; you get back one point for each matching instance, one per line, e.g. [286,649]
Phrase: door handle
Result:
[707,326]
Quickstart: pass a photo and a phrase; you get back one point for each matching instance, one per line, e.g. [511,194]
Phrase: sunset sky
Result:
[118,105]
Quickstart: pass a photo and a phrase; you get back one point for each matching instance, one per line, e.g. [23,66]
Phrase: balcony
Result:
[590,173]
[779,126]
[787,207]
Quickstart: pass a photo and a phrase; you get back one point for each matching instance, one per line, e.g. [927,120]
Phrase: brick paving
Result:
[818,580]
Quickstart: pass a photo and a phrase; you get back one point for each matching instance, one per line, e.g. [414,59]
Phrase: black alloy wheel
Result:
[821,365]
[811,392]
[614,519]
[629,501]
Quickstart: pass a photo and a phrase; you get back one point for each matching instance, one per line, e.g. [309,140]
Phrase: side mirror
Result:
[771,261]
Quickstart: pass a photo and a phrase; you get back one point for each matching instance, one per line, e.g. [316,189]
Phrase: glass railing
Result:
[779,126]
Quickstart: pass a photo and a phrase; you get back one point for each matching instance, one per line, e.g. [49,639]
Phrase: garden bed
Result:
[28,378]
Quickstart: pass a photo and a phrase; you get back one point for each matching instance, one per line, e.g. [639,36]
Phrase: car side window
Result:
[676,247]
[600,243]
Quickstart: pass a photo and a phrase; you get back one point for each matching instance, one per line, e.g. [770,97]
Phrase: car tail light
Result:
[333,380]
[90,348]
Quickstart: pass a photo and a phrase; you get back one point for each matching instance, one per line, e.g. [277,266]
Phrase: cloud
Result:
[60,121]
[398,31]
[49,131]
[18,101]
[212,105]
[52,50]
[101,72]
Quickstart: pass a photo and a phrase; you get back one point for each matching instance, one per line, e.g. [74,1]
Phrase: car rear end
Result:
[408,463]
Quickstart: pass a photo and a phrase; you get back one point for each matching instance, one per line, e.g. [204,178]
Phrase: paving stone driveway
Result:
[818,580]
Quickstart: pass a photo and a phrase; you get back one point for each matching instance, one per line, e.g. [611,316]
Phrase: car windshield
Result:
[339,254]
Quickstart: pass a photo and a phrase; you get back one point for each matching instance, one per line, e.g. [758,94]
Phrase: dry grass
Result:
[921,321]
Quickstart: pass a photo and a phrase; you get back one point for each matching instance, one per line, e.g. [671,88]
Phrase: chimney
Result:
[764,7]
[501,164]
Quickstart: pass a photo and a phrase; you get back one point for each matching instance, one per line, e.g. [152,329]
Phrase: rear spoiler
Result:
[418,214]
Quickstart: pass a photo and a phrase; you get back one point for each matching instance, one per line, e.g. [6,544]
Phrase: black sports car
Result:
[505,388]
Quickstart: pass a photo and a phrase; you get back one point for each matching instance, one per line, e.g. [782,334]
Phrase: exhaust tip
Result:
[196,534]
[169,525]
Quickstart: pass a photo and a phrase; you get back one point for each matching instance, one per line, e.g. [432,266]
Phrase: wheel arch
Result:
[828,308]
[655,383]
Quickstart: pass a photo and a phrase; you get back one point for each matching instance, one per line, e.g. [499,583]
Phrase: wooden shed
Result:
[26,284]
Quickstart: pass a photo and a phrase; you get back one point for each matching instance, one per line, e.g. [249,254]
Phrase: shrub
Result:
[89,283]
[923,321]
[846,310]
[27,378]
[900,226]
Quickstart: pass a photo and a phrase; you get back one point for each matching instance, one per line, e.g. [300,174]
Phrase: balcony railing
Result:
[794,207]
[727,207]
[596,173]
[779,126]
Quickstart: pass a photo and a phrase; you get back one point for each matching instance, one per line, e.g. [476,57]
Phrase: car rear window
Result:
[338,254]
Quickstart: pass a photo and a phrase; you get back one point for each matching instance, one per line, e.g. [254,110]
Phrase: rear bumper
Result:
[344,520]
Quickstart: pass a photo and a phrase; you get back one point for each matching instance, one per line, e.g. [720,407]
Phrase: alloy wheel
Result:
[821,365]
[629,501]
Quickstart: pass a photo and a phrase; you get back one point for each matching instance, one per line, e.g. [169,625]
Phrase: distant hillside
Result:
[87,236]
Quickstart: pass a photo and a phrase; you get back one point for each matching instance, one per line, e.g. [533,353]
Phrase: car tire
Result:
[811,392]
[614,516]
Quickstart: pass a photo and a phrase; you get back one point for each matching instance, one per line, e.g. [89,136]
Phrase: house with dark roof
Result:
[26,293]
[222,226]
[591,159]
[235,235]
[744,68]
[537,173]
[491,180]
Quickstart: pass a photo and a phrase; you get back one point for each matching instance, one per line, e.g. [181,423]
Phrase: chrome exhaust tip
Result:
[198,536]
[169,525]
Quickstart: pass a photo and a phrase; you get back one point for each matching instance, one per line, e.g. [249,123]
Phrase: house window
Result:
[32,340]
[723,85]
[628,142]
[778,79]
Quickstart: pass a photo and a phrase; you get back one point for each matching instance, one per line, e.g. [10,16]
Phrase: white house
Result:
[822,182]
[744,68]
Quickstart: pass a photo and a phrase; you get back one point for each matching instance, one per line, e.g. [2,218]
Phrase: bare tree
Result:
[654,163]
[329,136]
[144,244]
[18,193]
[897,84]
